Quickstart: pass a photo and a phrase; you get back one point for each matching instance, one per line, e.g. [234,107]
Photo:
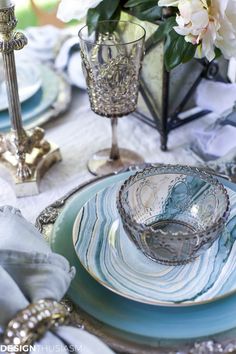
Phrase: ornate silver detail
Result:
[112,77]
[211,347]
[49,215]
[7,20]
[17,42]
[34,321]
[68,304]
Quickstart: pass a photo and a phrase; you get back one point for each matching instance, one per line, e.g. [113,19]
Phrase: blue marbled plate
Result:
[112,259]
[140,322]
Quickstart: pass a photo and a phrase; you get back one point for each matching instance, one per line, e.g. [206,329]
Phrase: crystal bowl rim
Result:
[174,169]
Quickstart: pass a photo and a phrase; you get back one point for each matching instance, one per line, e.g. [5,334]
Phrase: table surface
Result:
[79,133]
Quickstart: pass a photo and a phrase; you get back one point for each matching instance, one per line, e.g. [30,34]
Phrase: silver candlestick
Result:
[26,153]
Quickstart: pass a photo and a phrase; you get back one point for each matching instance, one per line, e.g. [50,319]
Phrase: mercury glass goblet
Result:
[112,55]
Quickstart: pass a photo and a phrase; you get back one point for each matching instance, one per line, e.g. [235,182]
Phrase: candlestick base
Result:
[38,163]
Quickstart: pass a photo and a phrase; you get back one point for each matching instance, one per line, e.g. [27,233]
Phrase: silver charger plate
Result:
[119,340]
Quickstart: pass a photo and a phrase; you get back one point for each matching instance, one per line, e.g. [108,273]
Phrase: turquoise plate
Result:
[109,255]
[151,322]
[37,104]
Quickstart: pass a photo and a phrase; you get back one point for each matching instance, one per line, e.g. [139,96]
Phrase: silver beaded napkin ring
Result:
[31,323]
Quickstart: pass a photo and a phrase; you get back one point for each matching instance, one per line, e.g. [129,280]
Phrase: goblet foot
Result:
[100,163]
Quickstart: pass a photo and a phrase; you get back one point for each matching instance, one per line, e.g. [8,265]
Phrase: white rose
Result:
[208,24]
[75,9]
[192,20]
[224,13]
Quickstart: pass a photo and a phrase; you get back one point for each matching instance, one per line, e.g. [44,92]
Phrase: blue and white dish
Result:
[108,254]
[140,322]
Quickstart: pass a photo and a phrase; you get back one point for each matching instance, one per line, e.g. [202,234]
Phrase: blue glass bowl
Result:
[173,213]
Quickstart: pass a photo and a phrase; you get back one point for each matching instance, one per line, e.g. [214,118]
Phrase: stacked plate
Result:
[43,94]
[154,305]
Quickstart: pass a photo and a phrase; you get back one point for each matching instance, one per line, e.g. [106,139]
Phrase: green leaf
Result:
[173,50]
[92,19]
[160,34]
[133,3]
[177,50]
[169,23]
[164,29]
[218,53]
[106,10]
[189,52]
[147,11]
[171,55]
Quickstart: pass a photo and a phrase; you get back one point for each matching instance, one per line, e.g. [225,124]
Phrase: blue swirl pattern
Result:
[111,258]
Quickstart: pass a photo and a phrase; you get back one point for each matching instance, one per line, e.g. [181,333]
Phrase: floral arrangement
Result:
[189,28]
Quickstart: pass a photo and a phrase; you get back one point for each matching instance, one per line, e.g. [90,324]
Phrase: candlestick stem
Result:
[12,92]
[26,152]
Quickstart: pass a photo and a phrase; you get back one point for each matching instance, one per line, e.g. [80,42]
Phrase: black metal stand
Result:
[165,121]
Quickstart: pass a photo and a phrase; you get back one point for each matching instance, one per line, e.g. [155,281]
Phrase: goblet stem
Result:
[115,152]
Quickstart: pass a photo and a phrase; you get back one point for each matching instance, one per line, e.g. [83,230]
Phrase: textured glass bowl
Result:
[173,213]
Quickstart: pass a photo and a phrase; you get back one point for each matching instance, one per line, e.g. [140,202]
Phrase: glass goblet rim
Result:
[115,44]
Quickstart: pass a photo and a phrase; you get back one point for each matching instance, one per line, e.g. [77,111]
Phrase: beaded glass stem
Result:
[112,56]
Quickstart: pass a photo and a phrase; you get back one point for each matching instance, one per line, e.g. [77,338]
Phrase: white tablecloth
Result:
[79,133]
